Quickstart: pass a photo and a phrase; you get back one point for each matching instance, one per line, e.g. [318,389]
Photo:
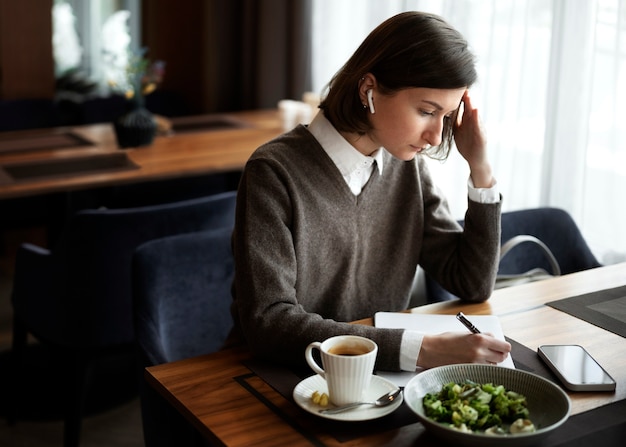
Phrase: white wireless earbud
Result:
[370,100]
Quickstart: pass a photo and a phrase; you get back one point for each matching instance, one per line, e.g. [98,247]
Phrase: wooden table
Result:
[203,145]
[205,390]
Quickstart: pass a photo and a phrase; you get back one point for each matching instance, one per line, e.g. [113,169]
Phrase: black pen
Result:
[468,324]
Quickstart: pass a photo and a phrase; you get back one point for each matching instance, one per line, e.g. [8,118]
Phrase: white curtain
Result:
[551,92]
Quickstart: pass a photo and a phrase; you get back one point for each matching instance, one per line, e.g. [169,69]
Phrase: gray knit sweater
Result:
[310,256]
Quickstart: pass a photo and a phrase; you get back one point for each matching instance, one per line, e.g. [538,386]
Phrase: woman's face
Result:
[410,120]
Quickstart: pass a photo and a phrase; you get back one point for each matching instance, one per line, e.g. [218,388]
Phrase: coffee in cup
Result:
[348,365]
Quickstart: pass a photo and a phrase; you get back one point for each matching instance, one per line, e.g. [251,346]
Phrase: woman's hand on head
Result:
[454,347]
[472,144]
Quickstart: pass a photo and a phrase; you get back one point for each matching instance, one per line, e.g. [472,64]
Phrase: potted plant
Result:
[137,126]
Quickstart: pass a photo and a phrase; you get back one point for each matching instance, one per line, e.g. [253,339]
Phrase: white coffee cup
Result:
[348,365]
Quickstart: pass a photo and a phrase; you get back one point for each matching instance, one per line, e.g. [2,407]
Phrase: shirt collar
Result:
[342,153]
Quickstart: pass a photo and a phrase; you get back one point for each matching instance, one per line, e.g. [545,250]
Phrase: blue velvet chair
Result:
[76,298]
[182,305]
[554,227]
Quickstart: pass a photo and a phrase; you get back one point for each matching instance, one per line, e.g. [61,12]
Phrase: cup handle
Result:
[308,353]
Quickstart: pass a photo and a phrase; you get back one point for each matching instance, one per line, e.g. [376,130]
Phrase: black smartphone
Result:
[576,368]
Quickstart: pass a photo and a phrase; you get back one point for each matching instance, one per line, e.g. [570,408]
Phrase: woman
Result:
[333,219]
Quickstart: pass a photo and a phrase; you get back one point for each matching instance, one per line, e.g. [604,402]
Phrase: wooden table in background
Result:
[204,145]
[205,391]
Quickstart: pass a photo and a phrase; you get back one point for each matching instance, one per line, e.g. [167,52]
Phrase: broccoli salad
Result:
[486,408]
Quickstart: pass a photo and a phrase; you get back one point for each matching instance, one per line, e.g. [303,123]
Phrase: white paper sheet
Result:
[434,324]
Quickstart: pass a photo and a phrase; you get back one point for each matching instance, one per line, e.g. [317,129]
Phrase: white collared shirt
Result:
[355,167]
[356,170]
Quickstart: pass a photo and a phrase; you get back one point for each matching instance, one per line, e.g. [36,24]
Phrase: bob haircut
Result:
[409,50]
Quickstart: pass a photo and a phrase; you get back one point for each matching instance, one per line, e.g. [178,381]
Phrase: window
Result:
[84,47]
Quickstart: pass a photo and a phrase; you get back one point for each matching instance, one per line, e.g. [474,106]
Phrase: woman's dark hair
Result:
[408,50]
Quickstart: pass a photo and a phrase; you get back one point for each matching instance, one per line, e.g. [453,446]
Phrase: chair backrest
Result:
[555,228]
[182,295]
[552,226]
[94,257]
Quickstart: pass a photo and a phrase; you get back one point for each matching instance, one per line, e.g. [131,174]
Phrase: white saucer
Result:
[378,386]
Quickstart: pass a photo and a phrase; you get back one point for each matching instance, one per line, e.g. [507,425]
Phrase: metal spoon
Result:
[382,401]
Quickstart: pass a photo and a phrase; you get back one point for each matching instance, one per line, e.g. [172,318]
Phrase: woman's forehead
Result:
[446,100]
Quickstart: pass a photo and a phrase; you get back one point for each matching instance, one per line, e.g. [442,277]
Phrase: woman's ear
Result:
[368,83]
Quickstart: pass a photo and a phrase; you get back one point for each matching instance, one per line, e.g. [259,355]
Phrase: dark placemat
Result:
[284,380]
[92,164]
[605,308]
[604,426]
[203,123]
[528,360]
[41,141]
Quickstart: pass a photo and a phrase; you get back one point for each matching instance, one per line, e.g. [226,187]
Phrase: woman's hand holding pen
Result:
[454,347]
[472,144]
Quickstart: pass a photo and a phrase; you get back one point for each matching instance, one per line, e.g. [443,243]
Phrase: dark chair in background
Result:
[22,114]
[554,227]
[76,298]
[182,304]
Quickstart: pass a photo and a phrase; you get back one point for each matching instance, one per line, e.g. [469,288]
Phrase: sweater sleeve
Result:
[464,262]
[271,318]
